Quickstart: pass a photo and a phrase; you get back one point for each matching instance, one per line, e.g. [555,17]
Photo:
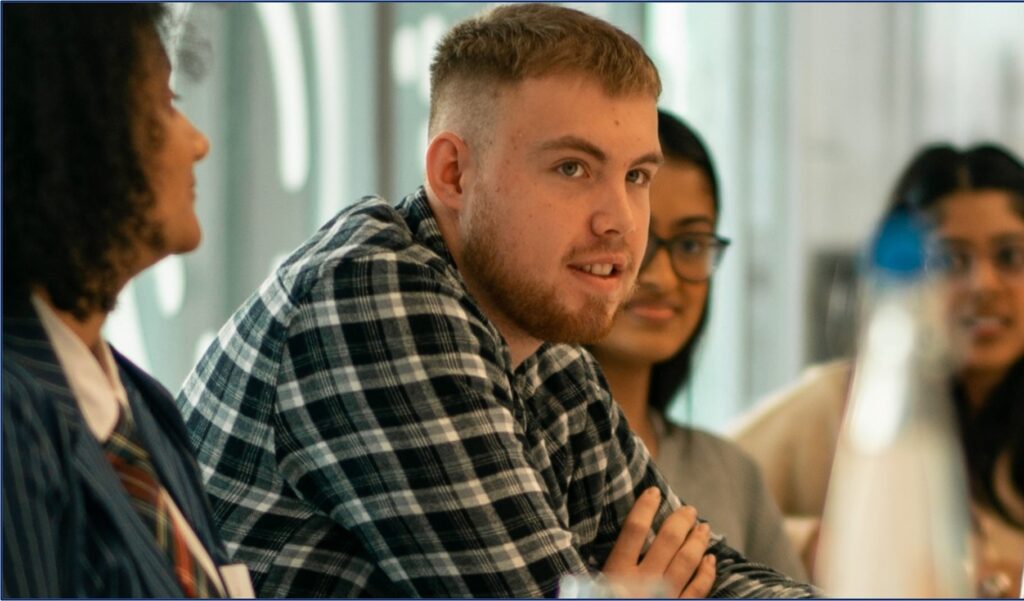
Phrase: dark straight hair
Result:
[679,142]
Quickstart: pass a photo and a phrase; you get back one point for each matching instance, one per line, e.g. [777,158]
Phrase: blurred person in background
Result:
[647,357]
[973,201]
[101,492]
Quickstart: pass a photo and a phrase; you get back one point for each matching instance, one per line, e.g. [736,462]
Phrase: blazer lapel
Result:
[25,341]
[162,433]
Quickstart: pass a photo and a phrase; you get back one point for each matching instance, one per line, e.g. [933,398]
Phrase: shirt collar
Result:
[95,384]
[421,221]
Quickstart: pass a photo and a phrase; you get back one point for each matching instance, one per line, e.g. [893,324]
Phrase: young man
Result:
[401,410]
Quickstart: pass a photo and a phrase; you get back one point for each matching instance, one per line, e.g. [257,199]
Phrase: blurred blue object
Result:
[898,250]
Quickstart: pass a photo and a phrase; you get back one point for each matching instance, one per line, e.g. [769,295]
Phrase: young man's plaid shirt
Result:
[362,433]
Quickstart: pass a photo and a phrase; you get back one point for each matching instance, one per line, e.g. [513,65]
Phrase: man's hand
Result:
[676,556]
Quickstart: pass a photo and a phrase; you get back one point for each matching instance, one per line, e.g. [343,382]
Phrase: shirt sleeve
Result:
[395,417]
[736,576]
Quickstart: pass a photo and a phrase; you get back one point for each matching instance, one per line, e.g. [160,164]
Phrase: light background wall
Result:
[809,109]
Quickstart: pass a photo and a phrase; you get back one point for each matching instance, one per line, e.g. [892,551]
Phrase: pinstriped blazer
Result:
[69,529]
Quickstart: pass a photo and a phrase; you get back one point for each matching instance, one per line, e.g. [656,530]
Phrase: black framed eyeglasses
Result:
[694,256]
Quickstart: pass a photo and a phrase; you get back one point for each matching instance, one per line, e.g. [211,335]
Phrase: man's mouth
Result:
[600,269]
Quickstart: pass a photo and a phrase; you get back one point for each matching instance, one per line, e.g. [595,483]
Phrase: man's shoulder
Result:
[370,227]
[567,360]
[373,237]
[565,355]
[254,336]
[567,376]
[374,263]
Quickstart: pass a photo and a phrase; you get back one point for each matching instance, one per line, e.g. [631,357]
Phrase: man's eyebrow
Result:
[582,145]
[574,143]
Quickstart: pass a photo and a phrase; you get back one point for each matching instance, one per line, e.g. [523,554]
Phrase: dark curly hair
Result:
[998,427]
[679,142]
[75,193]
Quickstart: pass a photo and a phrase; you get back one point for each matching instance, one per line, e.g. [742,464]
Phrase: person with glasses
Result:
[647,357]
[973,201]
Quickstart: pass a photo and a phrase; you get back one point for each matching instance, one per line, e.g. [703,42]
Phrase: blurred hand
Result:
[677,555]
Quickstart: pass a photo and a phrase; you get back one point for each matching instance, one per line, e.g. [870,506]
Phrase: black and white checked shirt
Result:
[361,432]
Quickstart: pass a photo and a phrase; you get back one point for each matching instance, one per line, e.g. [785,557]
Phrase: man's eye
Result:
[638,176]
[571,169]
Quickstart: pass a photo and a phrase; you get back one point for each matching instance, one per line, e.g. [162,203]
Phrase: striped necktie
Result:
[133,466]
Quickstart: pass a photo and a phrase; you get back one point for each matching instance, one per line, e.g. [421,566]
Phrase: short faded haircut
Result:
[510,43]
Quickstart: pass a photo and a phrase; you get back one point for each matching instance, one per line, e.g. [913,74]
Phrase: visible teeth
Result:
[602,270]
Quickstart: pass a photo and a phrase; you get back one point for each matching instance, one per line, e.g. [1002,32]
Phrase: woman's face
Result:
[170,147]
[982,235]
[663,313]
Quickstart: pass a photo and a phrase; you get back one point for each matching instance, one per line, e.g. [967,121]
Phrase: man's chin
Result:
[593,336]
[586,326]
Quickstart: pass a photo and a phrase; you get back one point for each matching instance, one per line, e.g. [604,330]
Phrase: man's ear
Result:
[448,159]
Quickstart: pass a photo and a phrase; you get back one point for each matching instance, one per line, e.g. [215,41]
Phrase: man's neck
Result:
[519,350]
[520,344]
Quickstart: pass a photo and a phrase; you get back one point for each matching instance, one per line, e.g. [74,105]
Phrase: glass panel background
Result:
[809,109]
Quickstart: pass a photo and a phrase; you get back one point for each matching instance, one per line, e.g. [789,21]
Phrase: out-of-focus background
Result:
[810,111]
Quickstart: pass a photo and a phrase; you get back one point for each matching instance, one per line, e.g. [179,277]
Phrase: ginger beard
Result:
[534,307]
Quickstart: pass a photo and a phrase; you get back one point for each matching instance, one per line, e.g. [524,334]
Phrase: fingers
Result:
[675,557]
[672,535]
[626,552]
[700,586]
[686,562]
